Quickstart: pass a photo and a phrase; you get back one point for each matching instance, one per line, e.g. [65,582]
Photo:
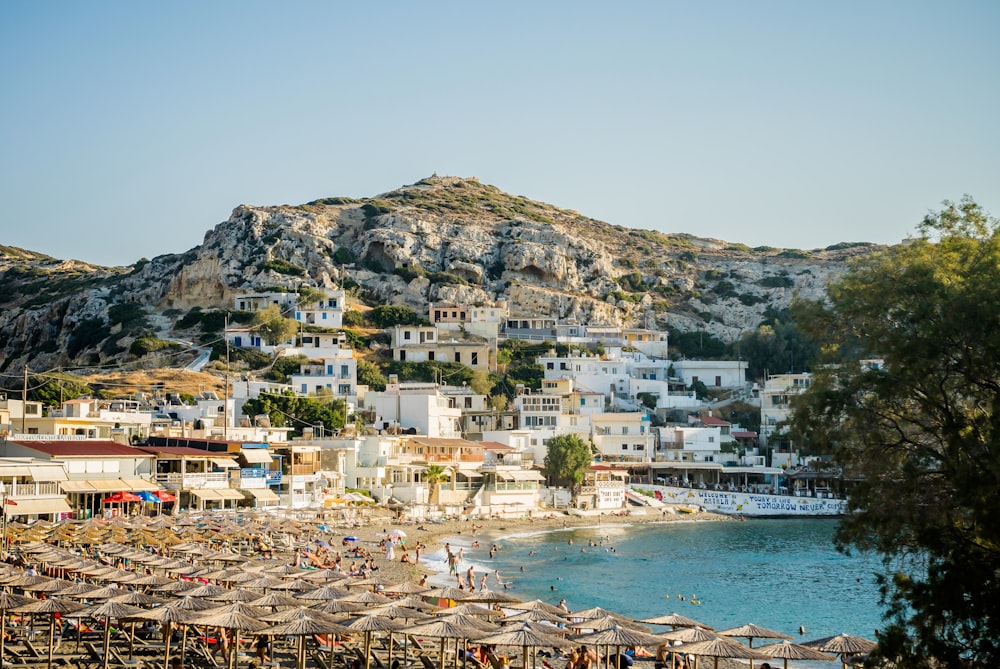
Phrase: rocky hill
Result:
[440,239]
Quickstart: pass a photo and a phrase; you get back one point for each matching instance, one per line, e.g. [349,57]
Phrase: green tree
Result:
[272,326]
[922,428]
[52,389]
[434,476]
[567,457]
[387,315]
[309,296]
[290,410]
[648,400]
[369,374]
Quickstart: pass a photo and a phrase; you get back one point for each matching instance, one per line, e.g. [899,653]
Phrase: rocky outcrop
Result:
[441,239]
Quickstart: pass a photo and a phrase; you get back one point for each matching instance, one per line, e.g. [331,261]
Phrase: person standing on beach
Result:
[470,577]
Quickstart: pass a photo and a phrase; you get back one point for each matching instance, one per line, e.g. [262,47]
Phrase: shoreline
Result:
[434,535]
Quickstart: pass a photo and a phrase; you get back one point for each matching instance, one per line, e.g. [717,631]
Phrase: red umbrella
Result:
[120,497]
[165,496]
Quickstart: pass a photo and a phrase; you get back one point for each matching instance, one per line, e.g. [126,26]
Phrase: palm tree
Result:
[435,475]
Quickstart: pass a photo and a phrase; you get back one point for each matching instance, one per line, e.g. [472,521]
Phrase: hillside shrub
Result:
[282,267]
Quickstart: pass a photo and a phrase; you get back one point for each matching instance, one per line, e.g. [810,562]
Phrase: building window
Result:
[430,355]
[550,365]
[406,334]
[468,402]
[458,356]
[475,358]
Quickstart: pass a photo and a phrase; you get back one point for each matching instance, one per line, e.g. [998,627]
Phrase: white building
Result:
[776,397]
[623,437]
[327,312]
[484,320]
[713,373]
[417,406]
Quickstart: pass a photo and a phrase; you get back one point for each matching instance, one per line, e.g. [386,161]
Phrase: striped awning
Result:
[224,463]
[228,493]
[205,493]
[256,456]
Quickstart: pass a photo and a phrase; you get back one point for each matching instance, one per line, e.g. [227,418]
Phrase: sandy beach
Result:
[434,535]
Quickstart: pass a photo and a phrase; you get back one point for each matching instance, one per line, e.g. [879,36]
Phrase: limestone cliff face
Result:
[441,239]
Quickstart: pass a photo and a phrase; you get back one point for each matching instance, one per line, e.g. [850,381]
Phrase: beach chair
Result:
[33,655]
[116,660]
[376,661]
[319,659]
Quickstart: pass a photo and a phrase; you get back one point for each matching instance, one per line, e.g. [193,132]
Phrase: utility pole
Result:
[24,408]
[225,400]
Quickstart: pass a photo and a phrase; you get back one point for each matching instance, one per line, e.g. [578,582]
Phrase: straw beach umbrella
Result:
[300,623]
[843,645]
[372,623]
[675,620]
[793,651]
[7,602]
[721,647]
[751,632]
[619,636]
[237,617]
[524,637]
[442,629]
[50,607]
[107,611]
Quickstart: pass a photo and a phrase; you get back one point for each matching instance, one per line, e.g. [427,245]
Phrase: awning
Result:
[504,476]
[14,469]
[47,472]
[256,455]
[205,493]
[76,486]
[526,475]
[224,463]
[109,485]
[264,494]
[31,507]
[228,493]
[139,485]
[470,473]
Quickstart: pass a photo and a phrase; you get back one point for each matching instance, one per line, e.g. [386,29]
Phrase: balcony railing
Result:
[176,481]
[30,489]
[303,470]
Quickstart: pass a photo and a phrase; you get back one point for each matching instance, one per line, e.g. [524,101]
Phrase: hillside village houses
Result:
[209,454]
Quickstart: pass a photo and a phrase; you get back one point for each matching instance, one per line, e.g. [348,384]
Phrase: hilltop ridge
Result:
[439,239]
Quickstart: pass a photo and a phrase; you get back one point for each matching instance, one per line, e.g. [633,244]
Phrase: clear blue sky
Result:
[129,129]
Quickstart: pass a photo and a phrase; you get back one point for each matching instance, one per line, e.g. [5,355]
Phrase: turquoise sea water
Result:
[780,573]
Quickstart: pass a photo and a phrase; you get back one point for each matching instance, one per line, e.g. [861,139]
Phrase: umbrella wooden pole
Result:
[442,653]
[131,640]
[332,638]
[389,661]
[368,650]
[52,633]
[107,640]
[3,634]
[184,638]
[167,635]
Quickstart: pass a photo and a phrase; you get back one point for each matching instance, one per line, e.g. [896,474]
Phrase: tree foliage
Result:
[387,315]
[369,374]
[567,457]
[778,345]
[922,426]
[291,410]
[52,389]
[434,476]
[272,326]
